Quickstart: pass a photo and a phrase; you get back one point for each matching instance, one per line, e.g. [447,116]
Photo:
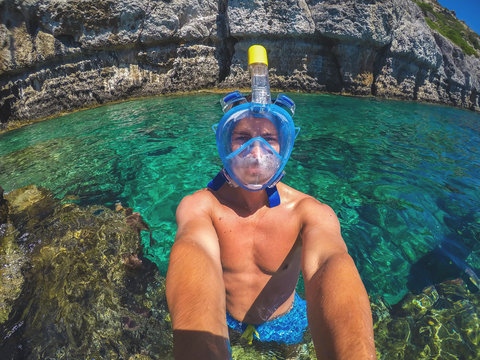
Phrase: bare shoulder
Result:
[320,228]
[198,204]
[314,211]
[194,219]
[307,207]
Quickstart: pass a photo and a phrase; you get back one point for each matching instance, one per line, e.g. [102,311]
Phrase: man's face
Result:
[252,127]
[257,163]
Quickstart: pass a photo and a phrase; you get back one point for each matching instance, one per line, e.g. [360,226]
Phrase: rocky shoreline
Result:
[58,56]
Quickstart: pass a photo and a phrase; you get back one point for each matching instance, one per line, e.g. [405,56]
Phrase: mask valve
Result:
[231,100]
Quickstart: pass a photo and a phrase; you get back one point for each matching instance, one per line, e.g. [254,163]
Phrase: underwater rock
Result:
[12,259]
[28,206]
[77,297]
[442,322]
[3,208]
[242,350]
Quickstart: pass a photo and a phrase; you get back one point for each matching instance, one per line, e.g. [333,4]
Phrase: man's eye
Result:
[239,138]
[271,139]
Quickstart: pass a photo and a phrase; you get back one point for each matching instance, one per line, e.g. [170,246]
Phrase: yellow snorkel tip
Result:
[257,54]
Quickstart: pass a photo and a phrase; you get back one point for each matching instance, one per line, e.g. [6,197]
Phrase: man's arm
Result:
[195,289]
[338,308]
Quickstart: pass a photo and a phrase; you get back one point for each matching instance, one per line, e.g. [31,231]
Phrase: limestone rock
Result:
[58,55]
[247,19]
[361,21]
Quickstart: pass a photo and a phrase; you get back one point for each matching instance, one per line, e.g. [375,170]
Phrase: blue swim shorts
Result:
[287,329]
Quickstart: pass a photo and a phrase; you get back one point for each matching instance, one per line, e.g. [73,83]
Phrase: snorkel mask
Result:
[255,139]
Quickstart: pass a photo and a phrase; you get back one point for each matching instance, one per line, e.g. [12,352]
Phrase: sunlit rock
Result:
[440,322]
[64,55]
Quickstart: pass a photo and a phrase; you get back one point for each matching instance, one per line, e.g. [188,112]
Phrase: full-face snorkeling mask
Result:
[255,139]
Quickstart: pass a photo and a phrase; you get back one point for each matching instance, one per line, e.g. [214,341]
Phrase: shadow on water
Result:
[162,151]
[446,261]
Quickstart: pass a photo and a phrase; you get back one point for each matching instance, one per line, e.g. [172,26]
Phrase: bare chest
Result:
[265,241]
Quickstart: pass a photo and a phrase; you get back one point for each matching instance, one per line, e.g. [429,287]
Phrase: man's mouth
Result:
[254,166]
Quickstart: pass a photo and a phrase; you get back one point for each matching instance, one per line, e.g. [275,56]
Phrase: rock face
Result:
[58,55]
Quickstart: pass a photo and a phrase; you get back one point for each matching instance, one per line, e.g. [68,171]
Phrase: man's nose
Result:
[257,150]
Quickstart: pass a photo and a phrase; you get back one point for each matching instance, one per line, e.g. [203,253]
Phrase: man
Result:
[240,246]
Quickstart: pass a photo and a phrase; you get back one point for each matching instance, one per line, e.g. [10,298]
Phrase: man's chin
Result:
[253,176]
[256,179]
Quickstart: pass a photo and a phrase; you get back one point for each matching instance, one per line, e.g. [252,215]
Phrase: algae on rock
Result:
[86,290]
[11,278]
[442,322]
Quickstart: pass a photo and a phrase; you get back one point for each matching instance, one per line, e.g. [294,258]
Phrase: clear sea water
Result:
[404,178]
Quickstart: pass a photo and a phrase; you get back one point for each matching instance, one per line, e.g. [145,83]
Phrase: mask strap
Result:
[217,181]
[273,196]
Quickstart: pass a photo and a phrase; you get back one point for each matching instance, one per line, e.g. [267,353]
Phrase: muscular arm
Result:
[338,308]
[195,289]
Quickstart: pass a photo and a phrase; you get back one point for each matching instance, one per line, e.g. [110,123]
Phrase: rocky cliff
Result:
[58,55]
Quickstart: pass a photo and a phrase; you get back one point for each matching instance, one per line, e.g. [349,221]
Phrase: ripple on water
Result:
[402,177]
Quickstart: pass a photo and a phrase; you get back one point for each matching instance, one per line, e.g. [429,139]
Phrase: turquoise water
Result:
[402,177]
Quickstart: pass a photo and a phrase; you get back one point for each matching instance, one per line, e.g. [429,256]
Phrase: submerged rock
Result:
[69,291]
[3,208]
[12,260]
[28,208]
[442,322]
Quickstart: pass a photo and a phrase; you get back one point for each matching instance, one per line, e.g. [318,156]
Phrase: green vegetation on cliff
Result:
[452,28]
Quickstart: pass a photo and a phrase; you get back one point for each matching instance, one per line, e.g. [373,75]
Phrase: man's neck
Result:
[245,200]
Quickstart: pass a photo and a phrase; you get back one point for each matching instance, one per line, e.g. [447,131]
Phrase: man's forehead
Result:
[254,122]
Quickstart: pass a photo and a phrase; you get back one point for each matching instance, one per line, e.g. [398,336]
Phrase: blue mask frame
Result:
[280,118]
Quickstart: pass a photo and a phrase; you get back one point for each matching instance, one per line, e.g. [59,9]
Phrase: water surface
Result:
[402,177]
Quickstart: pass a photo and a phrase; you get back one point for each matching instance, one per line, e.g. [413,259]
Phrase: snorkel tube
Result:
[258,68]
[278,116]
